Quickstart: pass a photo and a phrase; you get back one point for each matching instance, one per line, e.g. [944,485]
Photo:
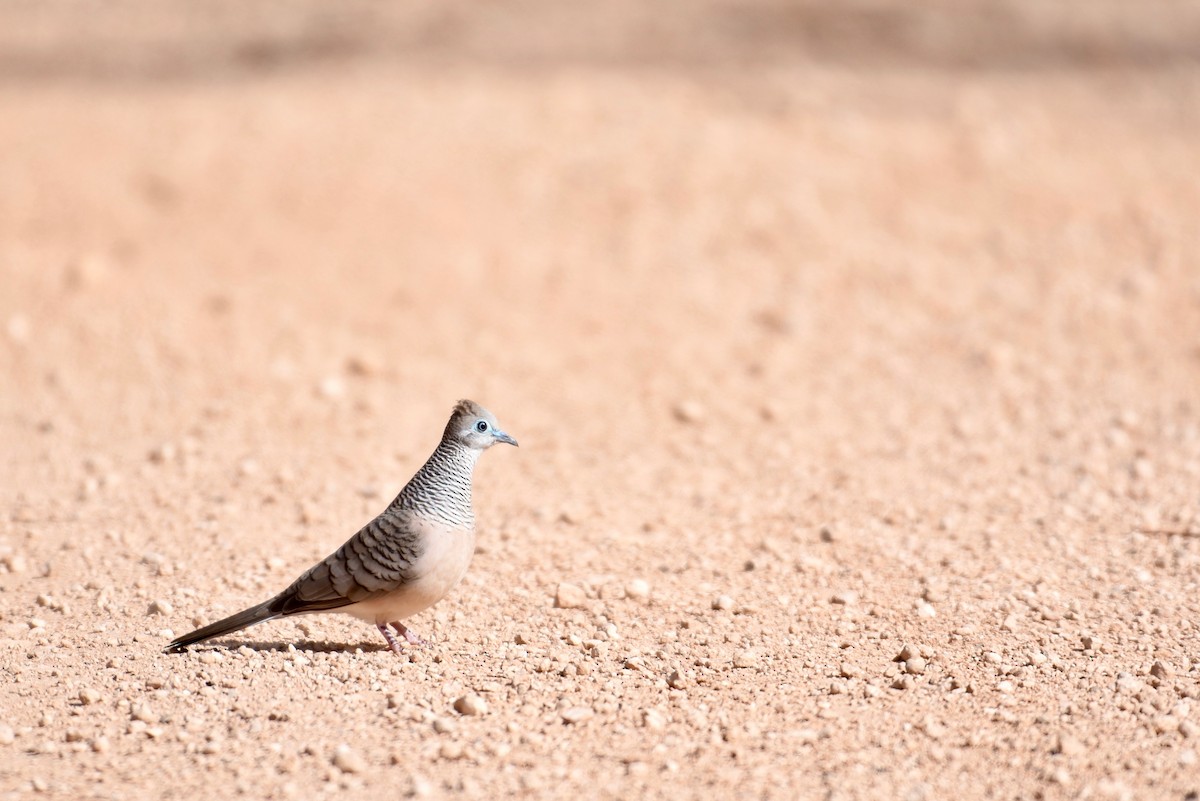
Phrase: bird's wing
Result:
[379,559]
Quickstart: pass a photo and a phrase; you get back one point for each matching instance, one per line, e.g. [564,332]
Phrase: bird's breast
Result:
[441,565]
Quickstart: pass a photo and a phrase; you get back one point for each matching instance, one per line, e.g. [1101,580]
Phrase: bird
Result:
[402,562]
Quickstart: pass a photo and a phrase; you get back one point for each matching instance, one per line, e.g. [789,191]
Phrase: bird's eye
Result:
[481,426]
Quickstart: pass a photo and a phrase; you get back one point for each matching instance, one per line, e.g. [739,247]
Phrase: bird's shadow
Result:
[306,646]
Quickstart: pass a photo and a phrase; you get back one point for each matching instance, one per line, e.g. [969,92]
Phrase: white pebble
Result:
[160,607]
[850,671]
[745,659]
[576,714]
[637,589]
[569,596]
[348,760]
[332,387]
[653,719]
[143,712]
[471,705]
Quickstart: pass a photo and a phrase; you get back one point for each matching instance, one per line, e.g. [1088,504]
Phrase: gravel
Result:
[934,345]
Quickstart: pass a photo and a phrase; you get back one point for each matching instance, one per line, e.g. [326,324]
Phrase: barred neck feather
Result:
[441,489]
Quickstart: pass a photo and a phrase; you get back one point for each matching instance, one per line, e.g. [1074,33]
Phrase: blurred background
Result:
[735,249]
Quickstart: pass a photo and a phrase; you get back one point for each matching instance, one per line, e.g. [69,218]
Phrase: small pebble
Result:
[7,735]
[348,760]
[1166,723]
[569,596]
[1161,670]
[143,712]
[914,666]
[637,589]
[654,720]
[470,705]
[745,659]
[160,607]
[420,787]
[89,696]
[576,714]
[844,598]
[722,602]
[676,681]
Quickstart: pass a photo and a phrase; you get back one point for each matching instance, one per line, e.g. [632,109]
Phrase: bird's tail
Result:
[244,619]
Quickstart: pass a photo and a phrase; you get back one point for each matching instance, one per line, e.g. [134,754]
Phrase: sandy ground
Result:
[832,339]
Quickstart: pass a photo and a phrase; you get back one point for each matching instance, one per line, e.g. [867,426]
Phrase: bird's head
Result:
[474,427]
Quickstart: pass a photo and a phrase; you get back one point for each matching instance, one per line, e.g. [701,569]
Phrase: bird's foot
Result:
[411,636]
[391,641]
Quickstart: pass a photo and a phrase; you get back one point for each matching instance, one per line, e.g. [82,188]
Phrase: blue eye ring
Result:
[481,426]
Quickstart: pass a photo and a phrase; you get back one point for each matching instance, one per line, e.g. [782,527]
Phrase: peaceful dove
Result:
[403,561]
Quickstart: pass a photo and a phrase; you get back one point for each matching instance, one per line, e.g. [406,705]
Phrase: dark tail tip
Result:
[248,617]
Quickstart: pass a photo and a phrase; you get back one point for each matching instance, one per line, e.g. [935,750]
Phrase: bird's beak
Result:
[500,436]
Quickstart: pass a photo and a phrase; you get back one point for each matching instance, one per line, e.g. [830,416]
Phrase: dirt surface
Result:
[832,337]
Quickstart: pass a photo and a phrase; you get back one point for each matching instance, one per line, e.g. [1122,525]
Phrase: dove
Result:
[402,562]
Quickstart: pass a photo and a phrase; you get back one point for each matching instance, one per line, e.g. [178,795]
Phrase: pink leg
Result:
[408,633]
[387,635]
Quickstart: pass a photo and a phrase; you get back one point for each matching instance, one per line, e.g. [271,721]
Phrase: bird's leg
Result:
[408,633]
[387,635]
